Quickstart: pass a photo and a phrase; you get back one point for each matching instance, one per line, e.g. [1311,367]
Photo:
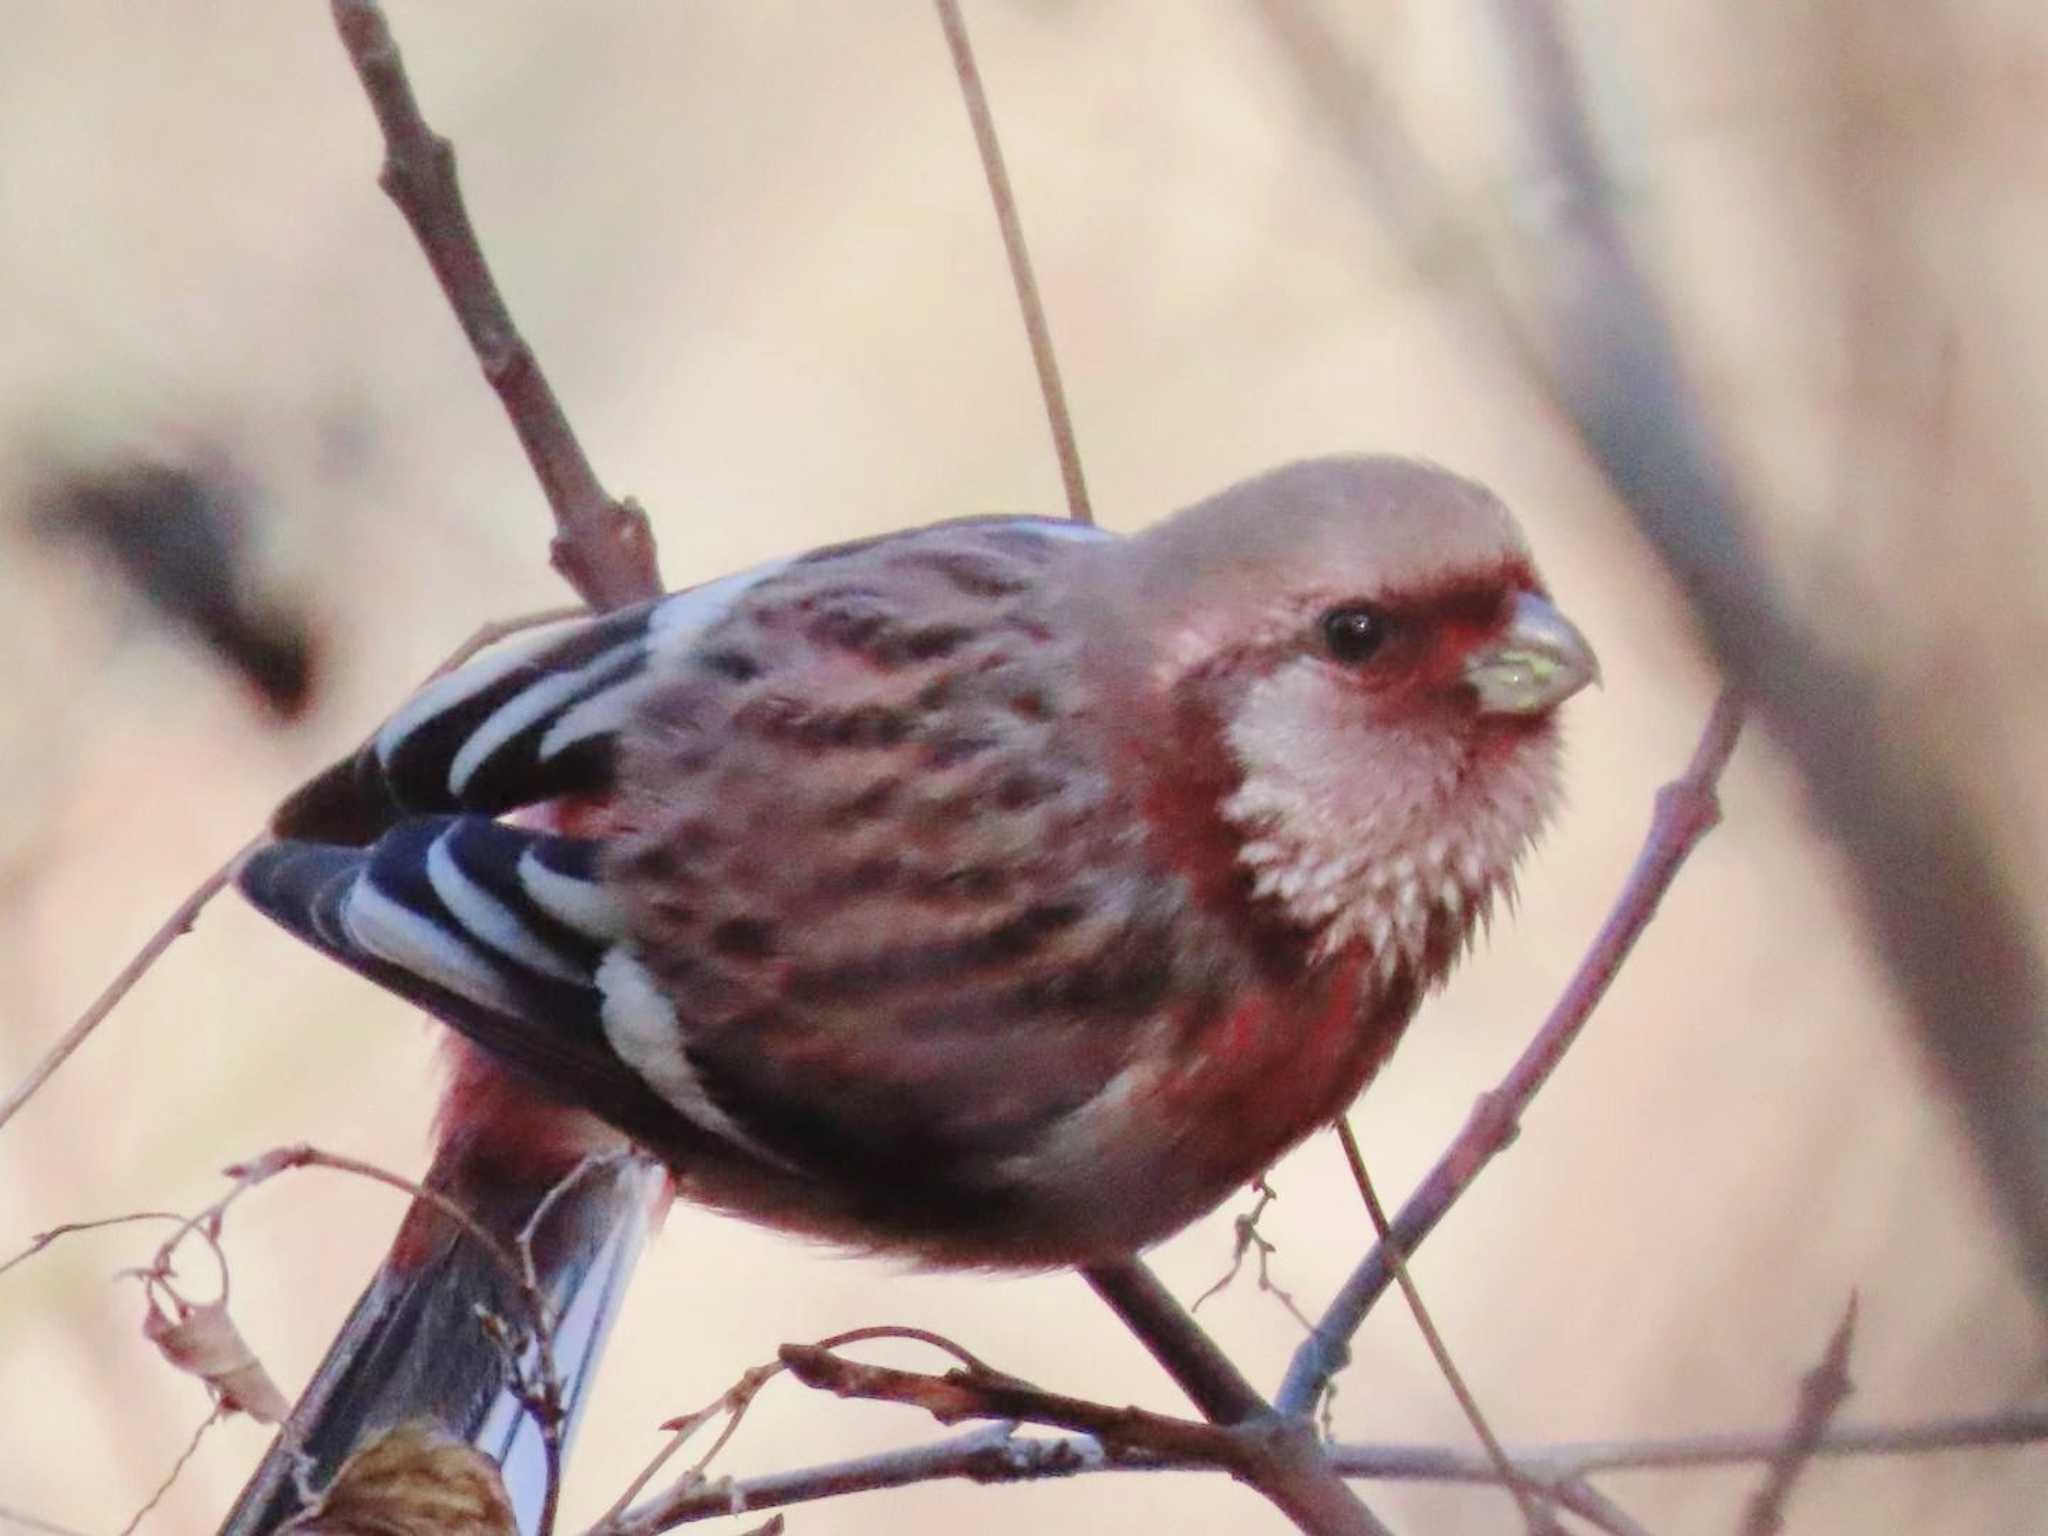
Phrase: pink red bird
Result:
[999,893]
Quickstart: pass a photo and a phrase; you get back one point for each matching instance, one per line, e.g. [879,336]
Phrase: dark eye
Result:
[1354,632]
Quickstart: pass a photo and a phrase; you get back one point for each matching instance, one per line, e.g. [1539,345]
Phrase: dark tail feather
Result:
[413,1348]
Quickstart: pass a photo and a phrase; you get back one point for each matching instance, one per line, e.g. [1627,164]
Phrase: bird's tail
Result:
[415,1347]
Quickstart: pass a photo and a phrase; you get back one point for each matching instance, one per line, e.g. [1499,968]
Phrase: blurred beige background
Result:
[751,243]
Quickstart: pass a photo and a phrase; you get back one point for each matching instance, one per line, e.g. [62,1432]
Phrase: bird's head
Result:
[1354,662]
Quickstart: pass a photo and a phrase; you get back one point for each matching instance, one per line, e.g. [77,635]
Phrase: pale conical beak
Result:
[1536,663]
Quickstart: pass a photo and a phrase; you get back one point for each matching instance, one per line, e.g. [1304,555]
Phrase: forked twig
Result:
[1281,1459]
[1821,1394]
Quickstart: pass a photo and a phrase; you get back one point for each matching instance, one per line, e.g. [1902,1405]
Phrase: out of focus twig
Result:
[1950,930]
[1036,327]
[1687,809]
[603,547]
[177,536]
[1821,1395]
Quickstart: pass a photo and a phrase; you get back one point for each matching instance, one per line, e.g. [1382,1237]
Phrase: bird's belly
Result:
[1177,1132]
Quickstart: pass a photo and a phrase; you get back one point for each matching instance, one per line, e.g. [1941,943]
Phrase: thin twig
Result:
[182,917]
[543,1404]
[1686,811]
[739,1397]
[1246,1241]
[43,1240]
[1005,200]
[1821,1395]
[214,1415]
[988,1454]
[1525,1501]
[602,547]
[186,913]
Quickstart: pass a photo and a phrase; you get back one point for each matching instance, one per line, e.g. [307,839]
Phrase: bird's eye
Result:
[1354,632]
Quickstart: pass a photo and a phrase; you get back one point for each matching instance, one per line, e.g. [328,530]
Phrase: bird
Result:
[999,894]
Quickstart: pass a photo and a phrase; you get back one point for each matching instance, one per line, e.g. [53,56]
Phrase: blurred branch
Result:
[1947,926]
[1595,1507]
[1686,810]
[1821,1394]
[1951,933]
[602,547]
[1004,198]
[176,534]
[27,1522]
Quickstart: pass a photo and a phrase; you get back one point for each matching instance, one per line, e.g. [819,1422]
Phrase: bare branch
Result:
[990,1454]
[1280,1458]
[602,547]
[1005,201]
[1686,811]
[995,1453]
[1208,1376]
[962,1394]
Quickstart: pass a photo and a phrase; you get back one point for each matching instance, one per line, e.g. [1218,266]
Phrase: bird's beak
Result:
[1535,664]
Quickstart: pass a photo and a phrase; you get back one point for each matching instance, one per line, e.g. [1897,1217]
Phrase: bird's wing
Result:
[538,718]
[393,862]
[498,930]
[526,722]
